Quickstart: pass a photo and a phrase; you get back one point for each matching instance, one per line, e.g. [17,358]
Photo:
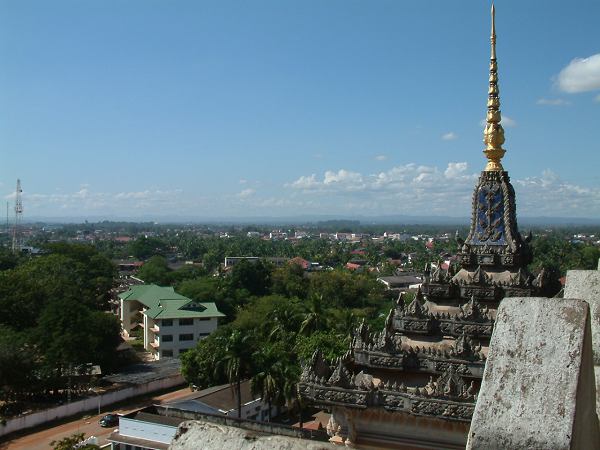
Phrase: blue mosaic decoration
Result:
[489,227]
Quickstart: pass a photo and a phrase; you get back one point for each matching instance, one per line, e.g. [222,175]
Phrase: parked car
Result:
[109,420]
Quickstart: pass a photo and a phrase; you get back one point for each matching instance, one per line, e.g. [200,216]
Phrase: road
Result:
[40,438]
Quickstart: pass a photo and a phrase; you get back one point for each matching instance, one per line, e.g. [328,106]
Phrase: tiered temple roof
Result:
[429,358]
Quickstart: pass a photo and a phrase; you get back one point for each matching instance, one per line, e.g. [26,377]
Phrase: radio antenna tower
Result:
[16,241]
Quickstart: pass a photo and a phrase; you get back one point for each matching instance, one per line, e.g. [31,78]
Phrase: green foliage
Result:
[198,365]
[255,277]
[343,289]
[236,362]
[70,442]
[8,260]
[17,363]
[269,375]
[156,271]
[329,342]
[145,247]
[559,254]
[53,318]
[290,281]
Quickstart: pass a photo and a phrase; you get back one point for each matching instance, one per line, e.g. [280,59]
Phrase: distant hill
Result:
[320,220]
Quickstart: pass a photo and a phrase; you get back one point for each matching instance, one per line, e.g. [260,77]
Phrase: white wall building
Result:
[171,323]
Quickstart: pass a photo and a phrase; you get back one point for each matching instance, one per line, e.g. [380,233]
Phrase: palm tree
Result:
[269,379]
[345,322]
[236,362]
[293,399]
[314,318]
[284,321]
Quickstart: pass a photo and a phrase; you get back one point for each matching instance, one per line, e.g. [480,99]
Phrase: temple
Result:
[414,384]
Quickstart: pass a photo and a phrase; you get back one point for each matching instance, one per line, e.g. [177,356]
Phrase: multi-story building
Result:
[171,323]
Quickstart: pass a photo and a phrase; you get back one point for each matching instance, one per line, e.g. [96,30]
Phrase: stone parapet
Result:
[585,285]
[538,389]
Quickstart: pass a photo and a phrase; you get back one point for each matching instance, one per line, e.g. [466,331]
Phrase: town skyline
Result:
[210,110]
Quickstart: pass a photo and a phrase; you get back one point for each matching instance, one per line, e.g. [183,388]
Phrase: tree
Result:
[254,277]
[236,362]
[156,270]
[71,442]
[145,247]
[70,335]
[268,380]
[328,342]
[315,318]
[198,364]
[17,360]
[289,281]
[291,394]
[210,289]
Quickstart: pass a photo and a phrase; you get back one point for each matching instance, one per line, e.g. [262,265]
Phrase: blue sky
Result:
[204,109]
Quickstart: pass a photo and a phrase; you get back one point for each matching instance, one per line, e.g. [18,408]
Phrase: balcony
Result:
[155,329]
[154,344]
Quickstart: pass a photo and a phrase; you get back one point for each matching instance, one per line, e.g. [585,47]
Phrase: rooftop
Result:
[165,303]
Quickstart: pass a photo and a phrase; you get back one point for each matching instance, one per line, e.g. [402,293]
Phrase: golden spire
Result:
[493,133]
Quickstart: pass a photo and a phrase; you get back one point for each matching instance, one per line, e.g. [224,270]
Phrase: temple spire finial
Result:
[494,133]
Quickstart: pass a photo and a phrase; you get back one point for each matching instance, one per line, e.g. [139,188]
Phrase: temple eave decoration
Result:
[429,358]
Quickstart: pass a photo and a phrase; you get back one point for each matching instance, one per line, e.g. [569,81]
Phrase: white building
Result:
[171,323]
[154,427]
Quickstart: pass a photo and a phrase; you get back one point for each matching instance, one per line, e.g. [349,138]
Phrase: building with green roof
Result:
[171,323]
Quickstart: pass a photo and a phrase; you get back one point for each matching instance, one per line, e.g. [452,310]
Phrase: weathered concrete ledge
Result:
[538,389]
[585,285]
[194,434]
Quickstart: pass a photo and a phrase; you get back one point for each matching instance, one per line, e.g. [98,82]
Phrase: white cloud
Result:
[449,136]
[380,157]
[243,181]
[597,98]
[455,170]
[85,200]
[548,194]
[304,182]
[423,190]
[508,122]
[553,102]
[342,177]
[580,75]
[246,193]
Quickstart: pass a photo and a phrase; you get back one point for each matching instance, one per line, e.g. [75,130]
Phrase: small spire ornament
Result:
[493,133]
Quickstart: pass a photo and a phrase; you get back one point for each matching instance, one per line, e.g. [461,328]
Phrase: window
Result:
[167,353]
[183,350]
[203,334]
[167,322]
[204,319]
[186,337]
[167,338]
[183,322]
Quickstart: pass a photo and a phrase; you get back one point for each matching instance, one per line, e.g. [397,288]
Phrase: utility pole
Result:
[16,241]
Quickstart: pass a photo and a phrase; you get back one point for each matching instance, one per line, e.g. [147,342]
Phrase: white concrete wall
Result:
[128,309]
[146,430]
[254,408]
[199,328]
[88,404]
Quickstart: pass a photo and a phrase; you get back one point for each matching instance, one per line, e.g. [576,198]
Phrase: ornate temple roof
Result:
[429,358]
